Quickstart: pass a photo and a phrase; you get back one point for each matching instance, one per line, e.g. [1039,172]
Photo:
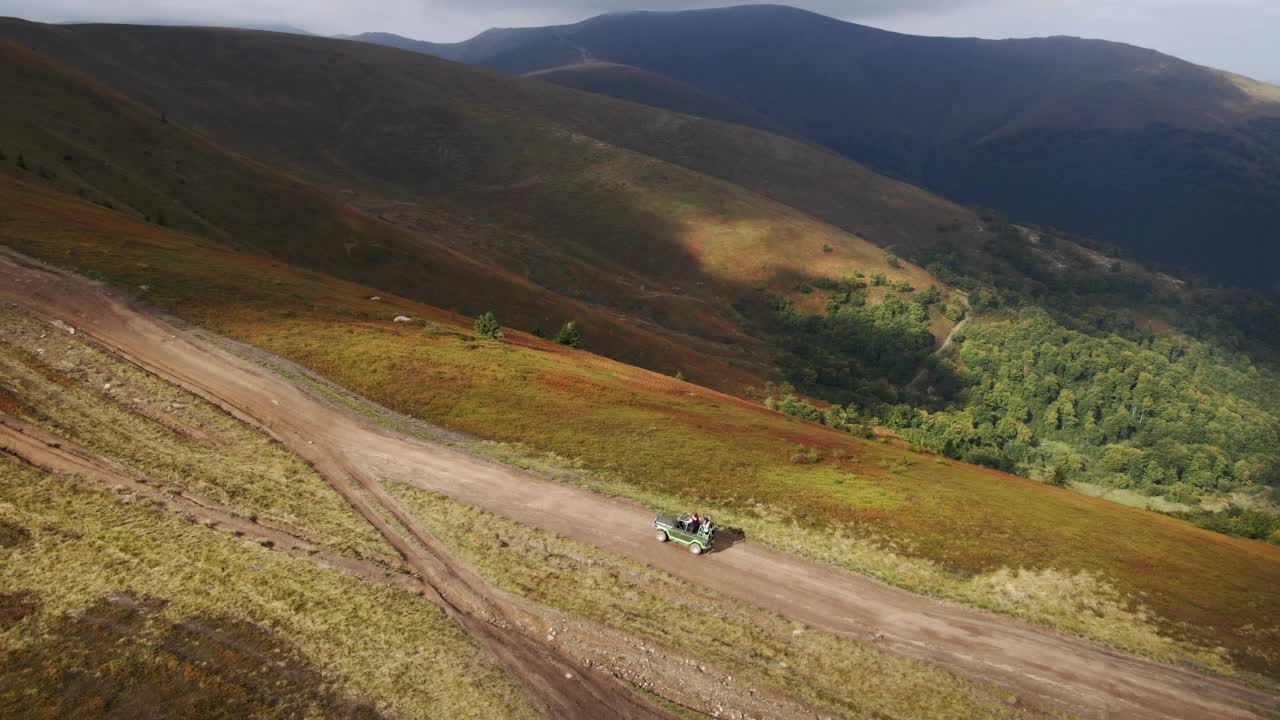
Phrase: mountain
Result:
[168,22]
[179,507]
[244,400]
[652,89]
[467,188]
[1176,162]
[734,257]
[581,73]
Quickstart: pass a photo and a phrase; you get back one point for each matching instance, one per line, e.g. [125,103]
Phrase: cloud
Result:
[1237,35]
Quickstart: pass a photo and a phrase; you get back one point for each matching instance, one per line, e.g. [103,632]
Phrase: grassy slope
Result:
[850,678]
[128,158]
[136,621]
[108,600]
[930,525]
[170,437]
[84,547]
[647,88]
[604,201]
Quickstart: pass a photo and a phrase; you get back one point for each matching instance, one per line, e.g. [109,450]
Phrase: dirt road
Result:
[1043,667]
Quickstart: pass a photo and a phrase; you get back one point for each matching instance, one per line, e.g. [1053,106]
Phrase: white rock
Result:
[403,318]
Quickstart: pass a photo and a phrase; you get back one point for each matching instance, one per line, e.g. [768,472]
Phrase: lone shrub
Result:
[805,456]
[1058,478]
[893,262]
[570,335]
[487,326]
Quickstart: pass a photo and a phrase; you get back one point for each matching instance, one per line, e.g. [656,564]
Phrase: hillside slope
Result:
[644,226]
[1175,161]
[675,243]
[929,525]
[649,88]
[99,145]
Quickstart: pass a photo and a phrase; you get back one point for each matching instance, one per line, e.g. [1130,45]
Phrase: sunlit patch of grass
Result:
[1087,605]
[1125,496]
[848,488]
[377,644]
[1257,90]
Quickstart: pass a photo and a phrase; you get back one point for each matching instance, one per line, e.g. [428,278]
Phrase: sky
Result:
[1238,35]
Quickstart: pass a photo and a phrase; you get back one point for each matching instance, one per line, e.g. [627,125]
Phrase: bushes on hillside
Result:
[834,416]
[570,335]
[1242,522]
[849,353]
[487,326]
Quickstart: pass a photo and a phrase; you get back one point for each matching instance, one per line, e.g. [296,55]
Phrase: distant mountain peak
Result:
[1106,139]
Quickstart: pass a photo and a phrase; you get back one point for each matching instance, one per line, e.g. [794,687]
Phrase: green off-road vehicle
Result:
[682,529]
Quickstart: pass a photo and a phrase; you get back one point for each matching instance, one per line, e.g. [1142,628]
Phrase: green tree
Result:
[487,326]
[570,335]
[1058,476]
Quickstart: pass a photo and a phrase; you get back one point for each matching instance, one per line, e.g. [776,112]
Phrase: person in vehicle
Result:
[695,523]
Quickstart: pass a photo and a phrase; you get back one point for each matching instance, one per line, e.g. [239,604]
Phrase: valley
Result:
[341,380]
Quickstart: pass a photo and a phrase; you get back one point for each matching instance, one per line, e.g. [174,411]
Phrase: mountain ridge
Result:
[645,245]
[1124,144]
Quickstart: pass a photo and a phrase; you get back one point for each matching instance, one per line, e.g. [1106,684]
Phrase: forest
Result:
[1079,367]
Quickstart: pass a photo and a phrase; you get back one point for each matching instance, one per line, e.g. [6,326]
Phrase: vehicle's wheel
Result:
[695,548]
[661,535]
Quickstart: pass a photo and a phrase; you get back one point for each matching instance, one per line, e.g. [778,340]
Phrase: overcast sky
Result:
[1238,35]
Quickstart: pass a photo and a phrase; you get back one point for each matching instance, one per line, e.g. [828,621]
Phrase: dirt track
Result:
[1043,667]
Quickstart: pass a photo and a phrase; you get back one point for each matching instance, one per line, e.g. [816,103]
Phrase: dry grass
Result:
[374,644]
[1258,91]
[852,679]
[170,437]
